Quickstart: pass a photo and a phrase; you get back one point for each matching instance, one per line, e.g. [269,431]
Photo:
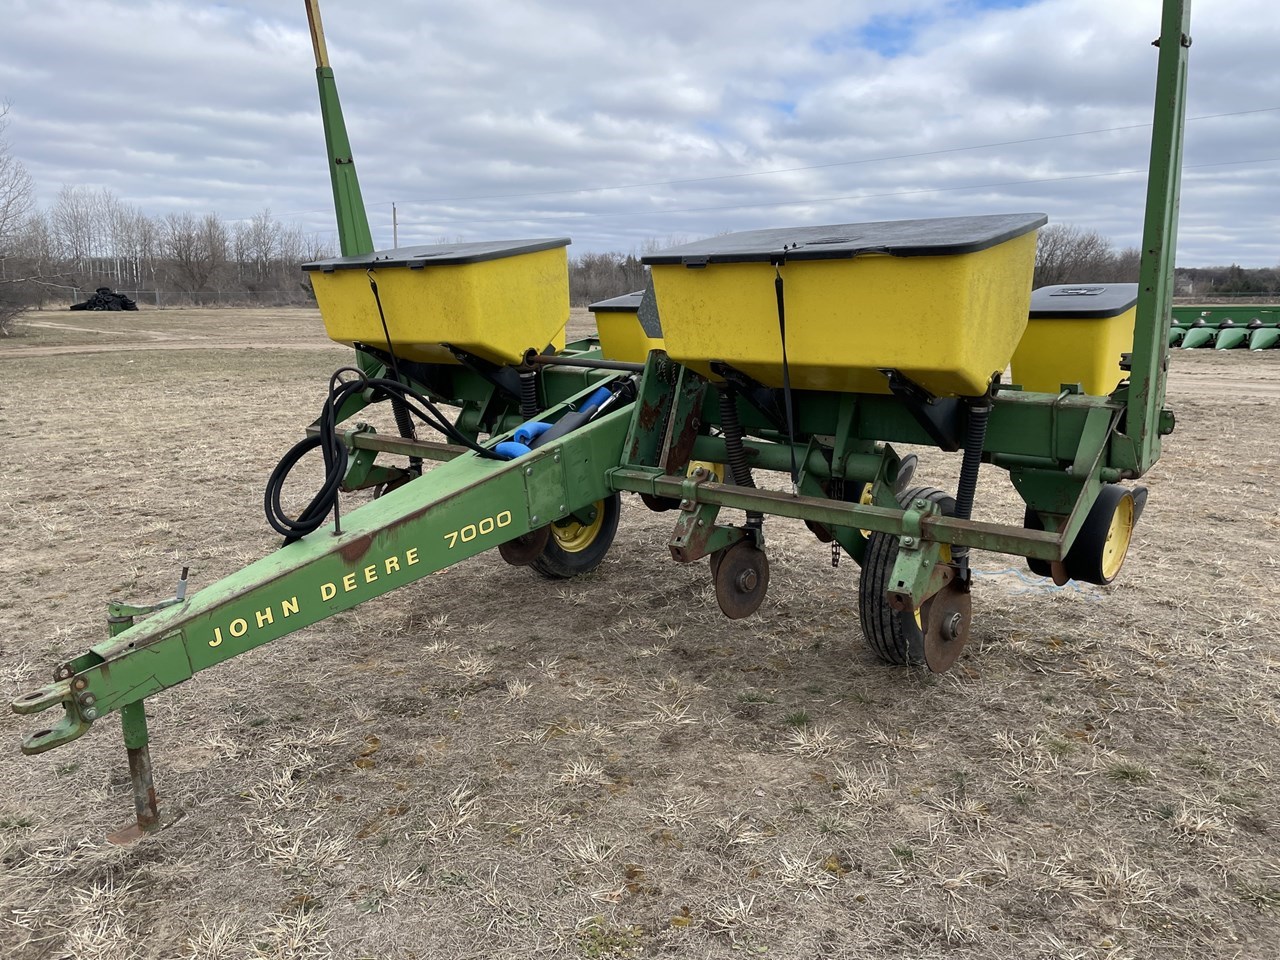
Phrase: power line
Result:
[816,166]
[833,163]
[799,203]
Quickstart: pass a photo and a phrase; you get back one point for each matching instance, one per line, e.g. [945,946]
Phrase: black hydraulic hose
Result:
[967,488]
[739,468]
[329,440]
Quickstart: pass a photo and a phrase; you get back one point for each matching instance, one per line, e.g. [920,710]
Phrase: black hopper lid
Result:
[944,236]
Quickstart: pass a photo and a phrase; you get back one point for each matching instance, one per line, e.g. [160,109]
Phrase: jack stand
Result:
[133,722]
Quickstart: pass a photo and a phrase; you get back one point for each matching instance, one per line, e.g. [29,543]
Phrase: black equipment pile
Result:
[104,299]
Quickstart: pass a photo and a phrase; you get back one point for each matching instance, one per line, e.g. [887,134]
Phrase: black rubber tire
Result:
[1084,560]
[893,635]
[556,563]
[1031,521]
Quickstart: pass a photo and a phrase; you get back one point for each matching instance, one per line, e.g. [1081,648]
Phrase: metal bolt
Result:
[954,624]
[556,458]
[908,541]
[80,683]
[921,504]
[88,699]
[528,471]
[90,713]
[747,581]
[702,523]
[534,518]
[684,504]
[62,673]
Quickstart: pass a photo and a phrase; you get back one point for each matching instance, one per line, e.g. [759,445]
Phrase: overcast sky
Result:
[621,123]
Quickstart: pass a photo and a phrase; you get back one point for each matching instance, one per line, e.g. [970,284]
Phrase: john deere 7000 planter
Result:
[809,351]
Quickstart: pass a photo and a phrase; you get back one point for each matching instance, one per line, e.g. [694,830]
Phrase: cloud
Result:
[501,118]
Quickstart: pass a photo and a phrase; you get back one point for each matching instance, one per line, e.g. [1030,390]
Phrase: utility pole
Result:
[395,227]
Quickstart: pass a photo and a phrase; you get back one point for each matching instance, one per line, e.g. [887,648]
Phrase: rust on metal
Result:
[742,579]
[1058,570]
[679,447]
[145,806]
[357,548]
[947,617]
[526,548]
[650,414]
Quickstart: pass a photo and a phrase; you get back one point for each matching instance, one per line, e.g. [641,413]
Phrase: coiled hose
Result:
[335,451]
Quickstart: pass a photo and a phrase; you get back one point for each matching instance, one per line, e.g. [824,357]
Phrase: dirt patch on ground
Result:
[486,764]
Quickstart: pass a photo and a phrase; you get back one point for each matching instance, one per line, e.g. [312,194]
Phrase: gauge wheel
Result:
[1031,521]
[1103,542]
[895,636]
[575,548]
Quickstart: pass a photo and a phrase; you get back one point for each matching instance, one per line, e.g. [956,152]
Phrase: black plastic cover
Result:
[438,254]
[648,312]
[627,303]
[1084,301]
[939,237]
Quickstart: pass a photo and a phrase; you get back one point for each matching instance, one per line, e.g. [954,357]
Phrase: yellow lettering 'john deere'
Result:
[367,574]
[347,583]
[267,615]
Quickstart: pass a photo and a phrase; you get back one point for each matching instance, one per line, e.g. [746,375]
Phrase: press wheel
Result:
[1031,521]
[1103,542]
[741,576]
[574,548]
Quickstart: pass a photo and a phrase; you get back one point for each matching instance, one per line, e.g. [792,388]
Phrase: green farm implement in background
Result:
[809,351]
[1225,327]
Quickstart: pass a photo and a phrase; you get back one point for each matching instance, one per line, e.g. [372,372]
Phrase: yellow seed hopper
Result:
[495,299]
[1076,335]
[628,326]
[943,301]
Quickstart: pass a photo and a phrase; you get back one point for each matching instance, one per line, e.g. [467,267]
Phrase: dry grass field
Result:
[486,764]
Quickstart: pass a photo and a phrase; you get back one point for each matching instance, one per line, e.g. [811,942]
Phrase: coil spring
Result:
[668,372]
[975,438]
[739,469]
[528,393]
[404,423]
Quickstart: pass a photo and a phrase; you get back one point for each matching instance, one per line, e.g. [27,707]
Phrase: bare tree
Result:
[16,192]
[74,219]
[1067,254]
[596,276]
[196,249]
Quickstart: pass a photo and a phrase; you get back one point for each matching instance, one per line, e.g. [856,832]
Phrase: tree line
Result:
[90,238]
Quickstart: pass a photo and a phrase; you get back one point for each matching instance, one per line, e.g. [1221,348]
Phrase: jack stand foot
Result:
[133,721]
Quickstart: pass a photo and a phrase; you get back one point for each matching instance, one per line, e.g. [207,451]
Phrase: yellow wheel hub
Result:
[866,500]
[1119,536]
[574,537]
